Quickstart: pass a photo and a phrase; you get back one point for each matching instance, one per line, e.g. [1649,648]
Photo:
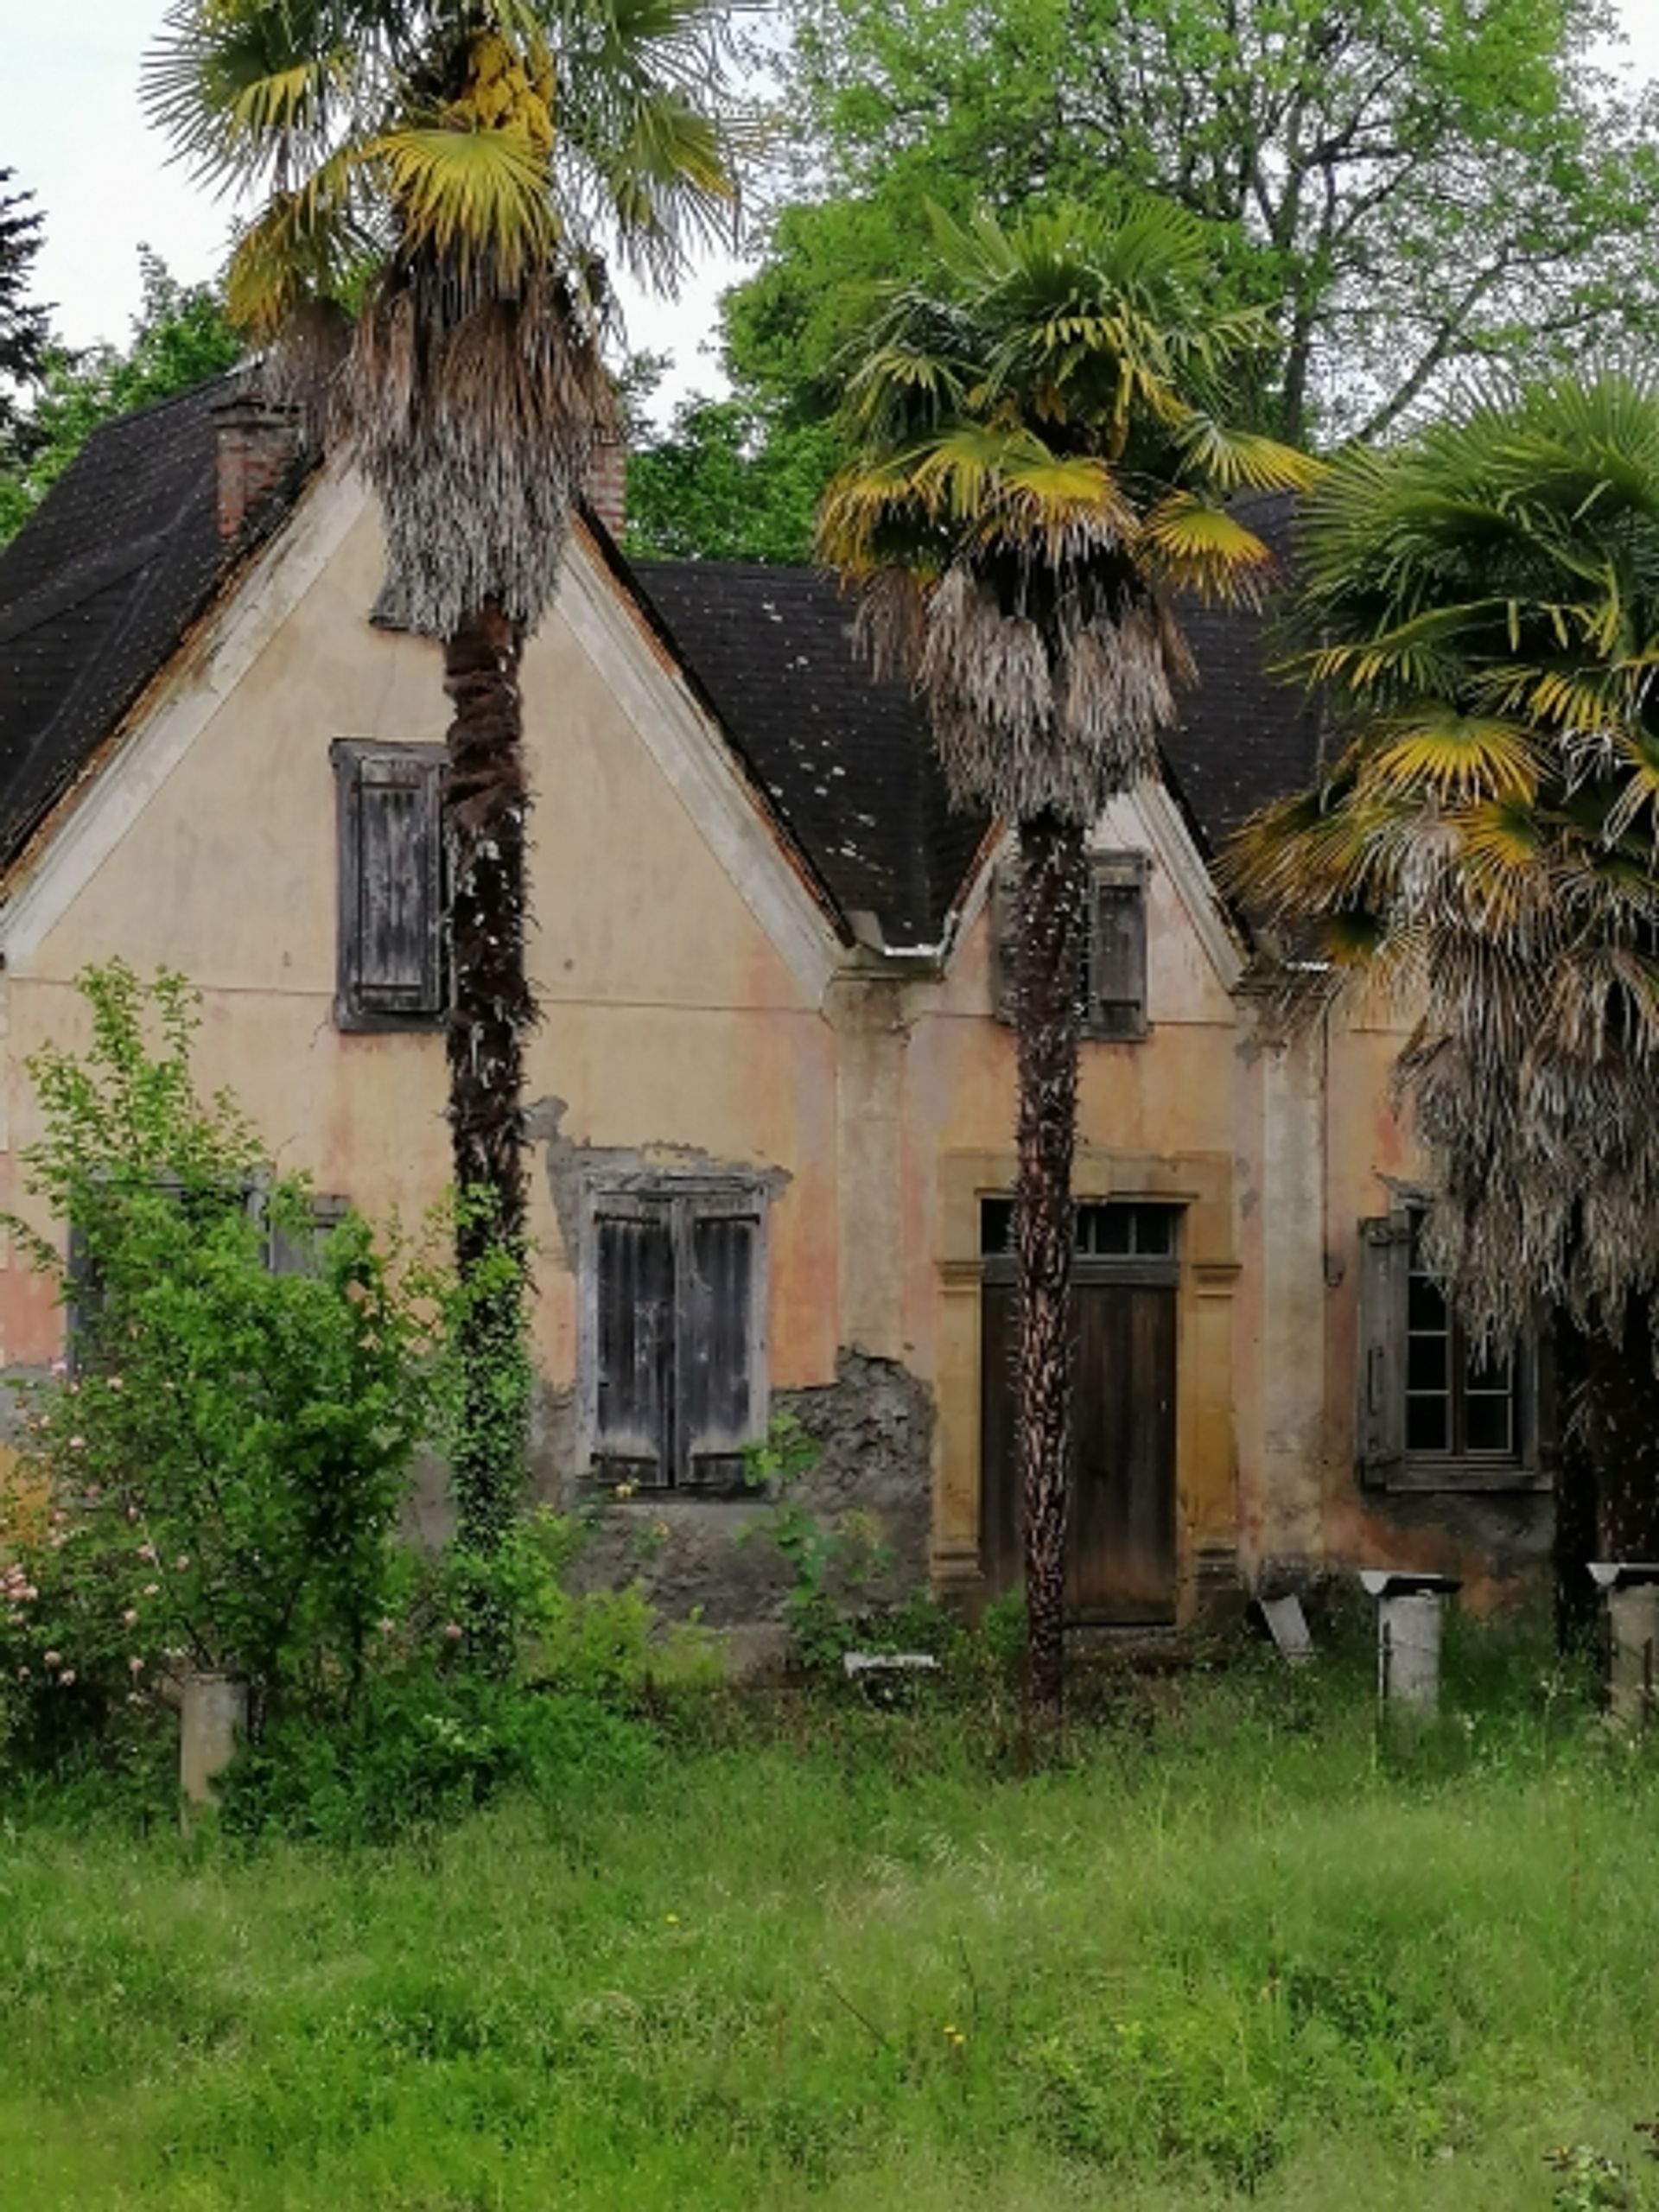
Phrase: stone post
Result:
[212,1713]
[1410,1611]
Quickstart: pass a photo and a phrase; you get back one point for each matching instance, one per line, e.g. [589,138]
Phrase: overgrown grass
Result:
[1238,1950]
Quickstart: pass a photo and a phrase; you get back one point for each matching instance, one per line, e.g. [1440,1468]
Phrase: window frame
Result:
[348,756]
[1384,1458]
[684,1199]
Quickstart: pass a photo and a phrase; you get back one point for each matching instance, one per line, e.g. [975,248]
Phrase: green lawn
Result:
[1235,1952]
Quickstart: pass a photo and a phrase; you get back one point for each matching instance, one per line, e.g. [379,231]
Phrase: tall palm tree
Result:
[1041,469]
[437,182]
[1482,605]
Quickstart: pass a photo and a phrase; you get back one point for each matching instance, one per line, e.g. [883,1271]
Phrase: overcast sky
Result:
[70,127]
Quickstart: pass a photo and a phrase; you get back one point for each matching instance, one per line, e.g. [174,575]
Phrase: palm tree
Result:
[437,180]
[1482,603]
[1040,469]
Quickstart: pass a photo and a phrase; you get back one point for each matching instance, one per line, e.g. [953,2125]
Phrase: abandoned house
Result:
[772,1092]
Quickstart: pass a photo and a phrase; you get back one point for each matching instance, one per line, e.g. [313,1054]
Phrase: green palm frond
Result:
[1231,461]
[470,197]
[1454,759]
[1195,546]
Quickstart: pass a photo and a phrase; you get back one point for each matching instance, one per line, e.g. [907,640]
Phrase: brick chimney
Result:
[259,445]
[606,488]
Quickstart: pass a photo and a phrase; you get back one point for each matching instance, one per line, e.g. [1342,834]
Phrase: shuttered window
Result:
[393,965]
[1114,975]
[286,1252]
[675,1352]
[1435,1412]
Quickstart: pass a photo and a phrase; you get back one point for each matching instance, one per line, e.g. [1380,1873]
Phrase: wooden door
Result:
[1121,1536]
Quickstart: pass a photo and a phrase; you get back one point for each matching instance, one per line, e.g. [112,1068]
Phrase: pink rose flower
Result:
[452,1632]
[67,1678]
[130,1619]
[135,1665]
[147,1552]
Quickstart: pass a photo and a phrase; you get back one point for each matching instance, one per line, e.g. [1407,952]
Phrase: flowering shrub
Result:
[217,1483]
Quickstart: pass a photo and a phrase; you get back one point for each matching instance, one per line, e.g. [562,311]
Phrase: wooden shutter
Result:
[717,1340]
[392,967]
[1116,1004]
[634,1341]
[1384,1272]
[287,1253]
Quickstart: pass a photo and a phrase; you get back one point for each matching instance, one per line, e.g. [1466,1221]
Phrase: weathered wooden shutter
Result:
[288,1253]
[1004,904]
[392,965]
[718,1333]
[1116,1005]
[634,1342]
[1384,1273]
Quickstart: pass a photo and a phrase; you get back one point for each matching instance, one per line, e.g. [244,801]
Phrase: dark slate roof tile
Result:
[846,762]
[97,591]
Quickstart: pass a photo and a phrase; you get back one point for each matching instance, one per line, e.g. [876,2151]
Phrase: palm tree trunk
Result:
[1607,1488]
[1048,966]
[486,805]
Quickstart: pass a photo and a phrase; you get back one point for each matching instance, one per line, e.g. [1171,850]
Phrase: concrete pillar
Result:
[1282,1392]
[212,1713]
[1410,1612]
[1631,1587]
[872,1033]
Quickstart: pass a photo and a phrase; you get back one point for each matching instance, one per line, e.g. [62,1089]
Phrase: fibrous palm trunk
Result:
[1053,882]
[492,1008]
[1607,1489]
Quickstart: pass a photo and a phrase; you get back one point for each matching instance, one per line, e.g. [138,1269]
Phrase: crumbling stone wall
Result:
[874,1425]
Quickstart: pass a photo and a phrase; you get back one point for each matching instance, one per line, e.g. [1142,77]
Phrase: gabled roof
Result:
[99,590]
[96,592]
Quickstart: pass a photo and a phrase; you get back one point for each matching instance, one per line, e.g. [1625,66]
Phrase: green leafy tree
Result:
[180,336]
[25,331]
[727,482]
[1481,605]
[437,180]
[1405,186]
[1040,467]
[217,1483]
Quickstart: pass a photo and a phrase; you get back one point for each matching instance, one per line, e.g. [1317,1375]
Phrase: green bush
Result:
[217,1484]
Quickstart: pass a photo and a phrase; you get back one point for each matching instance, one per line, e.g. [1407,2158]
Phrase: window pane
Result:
[997,1226]
[1154,1231]
[1489,1423]
[1428,1424]
[1425,1363]
[1425,1308]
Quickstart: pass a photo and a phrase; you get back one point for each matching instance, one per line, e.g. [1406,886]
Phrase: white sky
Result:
[70,129]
